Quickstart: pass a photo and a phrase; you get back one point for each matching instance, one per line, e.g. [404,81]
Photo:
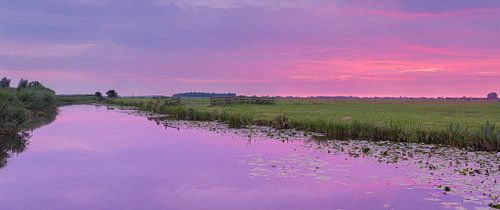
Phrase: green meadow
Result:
[427,114]
[468,124]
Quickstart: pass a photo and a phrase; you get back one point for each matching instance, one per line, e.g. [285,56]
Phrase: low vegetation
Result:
[84,98]
[26,107]
[202,95]
[461,124]
[78,99]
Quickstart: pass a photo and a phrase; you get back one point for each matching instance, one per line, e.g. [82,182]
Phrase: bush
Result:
[4,83]
[20,108]
[12,113]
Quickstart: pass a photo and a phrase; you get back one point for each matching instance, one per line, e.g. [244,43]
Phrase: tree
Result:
[112,94]
[35,84]
[99,96]
[23,83]
[492,96]
[4,83]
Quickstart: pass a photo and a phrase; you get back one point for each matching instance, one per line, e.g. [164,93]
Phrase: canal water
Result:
[94,157]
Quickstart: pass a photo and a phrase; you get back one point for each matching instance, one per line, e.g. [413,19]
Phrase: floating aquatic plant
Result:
[486,137]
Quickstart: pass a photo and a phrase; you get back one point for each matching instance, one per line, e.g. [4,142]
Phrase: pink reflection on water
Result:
[95,158]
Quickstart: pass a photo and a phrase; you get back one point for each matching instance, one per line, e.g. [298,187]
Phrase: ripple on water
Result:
[445,171]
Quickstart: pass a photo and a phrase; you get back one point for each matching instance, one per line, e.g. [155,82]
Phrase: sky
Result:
[254,47]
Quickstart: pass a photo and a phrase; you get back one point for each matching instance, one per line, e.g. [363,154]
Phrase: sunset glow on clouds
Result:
[296,47]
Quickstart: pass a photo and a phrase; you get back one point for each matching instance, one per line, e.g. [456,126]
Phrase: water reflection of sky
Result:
[94,158]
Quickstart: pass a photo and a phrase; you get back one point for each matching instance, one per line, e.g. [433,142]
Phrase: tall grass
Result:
[21,110]
[77,99]
[486,137]
[24,107]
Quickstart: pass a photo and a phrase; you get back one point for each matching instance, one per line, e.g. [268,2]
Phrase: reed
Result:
[485,137]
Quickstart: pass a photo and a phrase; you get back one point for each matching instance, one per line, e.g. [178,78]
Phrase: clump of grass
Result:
[366,150]
[488,137]
[239,121]
[495,206]
[281,122]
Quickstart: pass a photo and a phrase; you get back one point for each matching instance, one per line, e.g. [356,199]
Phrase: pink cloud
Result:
[277,48]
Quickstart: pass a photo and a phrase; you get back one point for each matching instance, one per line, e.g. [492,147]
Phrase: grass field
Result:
[77,99]
[458,123]
[433,115]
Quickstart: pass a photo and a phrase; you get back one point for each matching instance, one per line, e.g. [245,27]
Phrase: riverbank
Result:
[21,110]
[63,100]
[26,108]
[461,124]
[141,160]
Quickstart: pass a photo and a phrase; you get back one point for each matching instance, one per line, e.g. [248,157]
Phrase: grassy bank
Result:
[22,109]
[455,123]
[25,108]
[77,99]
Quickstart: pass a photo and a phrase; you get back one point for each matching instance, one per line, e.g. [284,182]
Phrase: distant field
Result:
[76,99]
[429,114]
[458,123]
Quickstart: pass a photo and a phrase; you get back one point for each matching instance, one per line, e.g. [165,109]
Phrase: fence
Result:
[220,101]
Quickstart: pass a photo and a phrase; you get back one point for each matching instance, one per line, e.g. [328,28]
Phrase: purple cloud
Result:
[254,47]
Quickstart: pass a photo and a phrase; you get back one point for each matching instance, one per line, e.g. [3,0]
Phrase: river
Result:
[95,157]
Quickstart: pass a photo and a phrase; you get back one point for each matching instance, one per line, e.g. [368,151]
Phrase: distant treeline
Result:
[85,98]
[202,95]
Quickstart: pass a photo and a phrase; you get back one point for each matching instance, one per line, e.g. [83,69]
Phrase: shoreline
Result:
[436,167]
[486,138]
